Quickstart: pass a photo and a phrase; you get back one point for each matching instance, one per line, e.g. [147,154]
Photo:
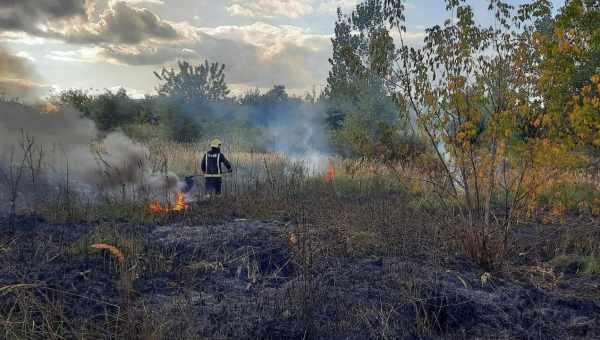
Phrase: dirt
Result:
[268,280]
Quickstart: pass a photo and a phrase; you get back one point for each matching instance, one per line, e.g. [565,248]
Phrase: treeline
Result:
[193,103]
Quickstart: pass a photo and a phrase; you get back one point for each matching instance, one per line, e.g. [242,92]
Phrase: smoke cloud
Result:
[301,134]
[71,144]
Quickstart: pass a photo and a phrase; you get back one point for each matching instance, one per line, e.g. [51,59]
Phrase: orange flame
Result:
[180,205]
[330,174]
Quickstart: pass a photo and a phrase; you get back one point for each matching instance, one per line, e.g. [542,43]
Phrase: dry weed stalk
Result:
[113,250]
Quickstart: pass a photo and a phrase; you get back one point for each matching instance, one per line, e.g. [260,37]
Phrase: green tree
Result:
[361,109]
[205,82]
[111,110]
[175,123]
[569,73]
[276,95]
[80,99]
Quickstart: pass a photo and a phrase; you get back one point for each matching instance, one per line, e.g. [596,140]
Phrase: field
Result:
[288,253]
[401,169]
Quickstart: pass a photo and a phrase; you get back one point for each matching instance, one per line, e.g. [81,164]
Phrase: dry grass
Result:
[367,211]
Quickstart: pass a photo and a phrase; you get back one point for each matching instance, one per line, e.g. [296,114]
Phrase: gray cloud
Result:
[27,15]
[16,77]
[257,55]
[70,21]
[120,24]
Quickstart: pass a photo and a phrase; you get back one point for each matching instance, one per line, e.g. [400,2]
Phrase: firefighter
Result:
[212,169]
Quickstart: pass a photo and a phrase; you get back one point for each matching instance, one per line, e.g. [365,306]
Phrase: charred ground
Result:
[322,268]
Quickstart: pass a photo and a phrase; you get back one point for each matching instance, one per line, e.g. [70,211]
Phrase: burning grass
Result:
[180,205]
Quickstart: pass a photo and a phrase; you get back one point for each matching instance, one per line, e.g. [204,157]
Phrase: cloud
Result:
[331,6]
[31,15]
[145,54]
[262,54]
[25,55]
[81,55]
[271,8]
[17,78]
[288,8]
[119,24]
[70,21]
[257,55]
[410,38]
[21,38]
[154,2]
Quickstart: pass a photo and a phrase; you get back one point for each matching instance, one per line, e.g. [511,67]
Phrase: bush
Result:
[573,197]
[175,123]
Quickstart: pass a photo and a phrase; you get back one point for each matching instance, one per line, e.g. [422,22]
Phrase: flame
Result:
[330,174]
[180,205]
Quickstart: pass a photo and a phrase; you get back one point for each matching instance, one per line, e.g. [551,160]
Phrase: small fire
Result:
[180,205]
[330,174]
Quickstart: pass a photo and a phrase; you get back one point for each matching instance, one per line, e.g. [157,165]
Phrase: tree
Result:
[569,73]
[80,99]
[109,110]
[205,82]
[346,71]
[475,90]
[276,95]
[361,110]
[175,123]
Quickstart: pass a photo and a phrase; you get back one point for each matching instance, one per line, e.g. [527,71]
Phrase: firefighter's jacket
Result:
[211,163]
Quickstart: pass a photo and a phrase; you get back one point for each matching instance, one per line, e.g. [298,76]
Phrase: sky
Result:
[108,44]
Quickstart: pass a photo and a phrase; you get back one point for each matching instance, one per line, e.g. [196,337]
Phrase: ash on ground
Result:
[265,280]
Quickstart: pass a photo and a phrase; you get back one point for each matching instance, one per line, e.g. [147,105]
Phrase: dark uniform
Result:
[212,169]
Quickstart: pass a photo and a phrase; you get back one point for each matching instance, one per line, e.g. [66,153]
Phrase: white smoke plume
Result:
[71,147]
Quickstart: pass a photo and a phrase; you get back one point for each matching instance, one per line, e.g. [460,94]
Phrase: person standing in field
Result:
[212,168]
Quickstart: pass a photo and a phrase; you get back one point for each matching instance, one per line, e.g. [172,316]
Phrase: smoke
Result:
[71,146]
[285,125]
[300,133]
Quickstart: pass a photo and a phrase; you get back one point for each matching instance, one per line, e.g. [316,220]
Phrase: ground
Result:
[269,279]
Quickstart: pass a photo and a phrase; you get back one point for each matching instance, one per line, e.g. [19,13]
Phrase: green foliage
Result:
[590,265]
[205,82]
[112,110]
[80,99]
[365,119]
[109,110]
[569,73]
[175,123]
[573,196]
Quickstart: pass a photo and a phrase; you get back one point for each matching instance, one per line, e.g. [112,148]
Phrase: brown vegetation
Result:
[373,252]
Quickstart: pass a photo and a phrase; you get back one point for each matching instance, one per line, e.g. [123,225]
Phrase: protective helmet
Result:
[216,143]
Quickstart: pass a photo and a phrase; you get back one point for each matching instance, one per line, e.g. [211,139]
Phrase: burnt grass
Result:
[195,276]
